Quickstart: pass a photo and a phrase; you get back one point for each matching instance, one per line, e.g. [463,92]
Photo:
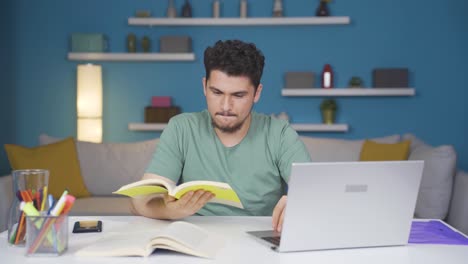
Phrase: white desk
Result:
[239,248]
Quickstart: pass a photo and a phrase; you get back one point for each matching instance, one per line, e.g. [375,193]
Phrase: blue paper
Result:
[435,232]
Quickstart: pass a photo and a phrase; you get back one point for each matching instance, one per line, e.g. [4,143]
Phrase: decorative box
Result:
[299,80]
[390,78]
[175,44]
[160,114]
[161,101]
[88,42]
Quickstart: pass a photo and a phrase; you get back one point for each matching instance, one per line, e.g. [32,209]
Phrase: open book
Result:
[178,236]
[224,194]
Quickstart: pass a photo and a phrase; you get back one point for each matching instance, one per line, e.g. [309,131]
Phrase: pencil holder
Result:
[28,185]
[46,235]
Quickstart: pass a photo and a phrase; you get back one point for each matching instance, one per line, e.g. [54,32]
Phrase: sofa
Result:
[105,167]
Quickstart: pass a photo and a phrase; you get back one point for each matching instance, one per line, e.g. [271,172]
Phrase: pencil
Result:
[44,198]
[20,228]
[19,231]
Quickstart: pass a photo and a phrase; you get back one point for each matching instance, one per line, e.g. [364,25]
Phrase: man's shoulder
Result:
[270,123]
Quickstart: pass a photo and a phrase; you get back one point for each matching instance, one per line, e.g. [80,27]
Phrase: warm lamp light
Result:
[89,102]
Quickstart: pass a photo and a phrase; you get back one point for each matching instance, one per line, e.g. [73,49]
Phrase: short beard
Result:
[227,129]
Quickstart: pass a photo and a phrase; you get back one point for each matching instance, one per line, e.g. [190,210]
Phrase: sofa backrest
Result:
[331,149]
[106,167]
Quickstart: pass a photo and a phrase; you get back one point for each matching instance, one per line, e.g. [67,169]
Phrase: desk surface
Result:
[239,247]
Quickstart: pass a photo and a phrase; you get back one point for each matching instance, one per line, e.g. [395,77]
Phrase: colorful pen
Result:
[51,202]
[59,205]
[44,198]
[29,209]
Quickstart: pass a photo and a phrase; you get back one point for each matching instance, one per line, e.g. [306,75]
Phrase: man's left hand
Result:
[278,214]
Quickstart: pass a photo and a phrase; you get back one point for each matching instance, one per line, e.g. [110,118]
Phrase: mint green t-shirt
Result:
[256,168]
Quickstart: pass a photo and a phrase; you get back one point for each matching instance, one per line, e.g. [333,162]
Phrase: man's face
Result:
[230,100]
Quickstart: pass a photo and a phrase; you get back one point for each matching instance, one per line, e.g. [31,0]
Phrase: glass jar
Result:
[28,185]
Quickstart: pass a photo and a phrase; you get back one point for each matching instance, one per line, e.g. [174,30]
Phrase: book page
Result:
[190,239]
[223,192]
[141,190]
[120,244]
[145,187]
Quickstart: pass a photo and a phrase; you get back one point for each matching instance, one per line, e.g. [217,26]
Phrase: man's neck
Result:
[234,138]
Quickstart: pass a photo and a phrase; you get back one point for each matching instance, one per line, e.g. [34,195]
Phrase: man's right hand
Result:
[168,207]
[187,205]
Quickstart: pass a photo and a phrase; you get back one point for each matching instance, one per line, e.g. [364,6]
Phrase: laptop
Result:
[337,205]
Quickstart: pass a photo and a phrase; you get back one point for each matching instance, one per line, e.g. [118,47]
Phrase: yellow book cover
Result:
[224,194]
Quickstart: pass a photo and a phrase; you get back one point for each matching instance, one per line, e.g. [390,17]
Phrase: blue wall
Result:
[427,36]
[7,91]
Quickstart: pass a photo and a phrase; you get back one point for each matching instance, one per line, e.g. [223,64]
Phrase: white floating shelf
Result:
[320,127]
[147,126]
[257,21]
[297,127]
[348,92]
[131,56]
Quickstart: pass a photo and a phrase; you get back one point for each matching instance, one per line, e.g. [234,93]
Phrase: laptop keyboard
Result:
[274,240]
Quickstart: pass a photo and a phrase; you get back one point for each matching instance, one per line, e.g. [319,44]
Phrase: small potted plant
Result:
[328,109]
[355,82]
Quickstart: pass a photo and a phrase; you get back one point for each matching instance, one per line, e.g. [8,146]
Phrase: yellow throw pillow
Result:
[59,158]
[373,151]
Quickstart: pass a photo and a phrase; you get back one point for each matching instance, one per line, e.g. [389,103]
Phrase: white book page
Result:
[160,182]
[193,239]
[120,244]
[201,183]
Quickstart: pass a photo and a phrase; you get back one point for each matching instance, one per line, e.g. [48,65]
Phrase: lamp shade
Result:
[89,91]
[89,102]
[90,129]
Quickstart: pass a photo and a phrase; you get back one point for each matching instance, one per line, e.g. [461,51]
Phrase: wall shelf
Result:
[147,126]
[257,21]
[348,92]
[297,127]
[92,56]
[320,127]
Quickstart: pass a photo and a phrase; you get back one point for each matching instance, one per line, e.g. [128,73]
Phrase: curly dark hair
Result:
[235,58]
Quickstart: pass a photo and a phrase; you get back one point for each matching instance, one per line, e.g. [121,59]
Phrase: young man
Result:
[228,142]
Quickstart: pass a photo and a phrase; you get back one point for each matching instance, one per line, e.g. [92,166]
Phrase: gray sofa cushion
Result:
[437,180]
[330,149]
[458,216]
[102,206]
[106,167]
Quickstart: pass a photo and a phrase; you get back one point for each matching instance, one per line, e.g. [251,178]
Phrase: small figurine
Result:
[278,8]
[216,9]
[322,9]
[187,9]
[243,8]
[171,10]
